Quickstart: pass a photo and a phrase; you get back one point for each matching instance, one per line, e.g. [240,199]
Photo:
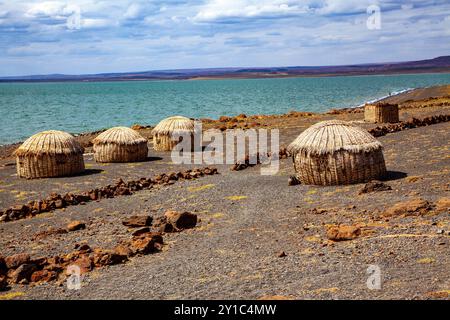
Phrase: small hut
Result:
[164,132]
[381,113]
[49,154]
[337,152]
[120,144]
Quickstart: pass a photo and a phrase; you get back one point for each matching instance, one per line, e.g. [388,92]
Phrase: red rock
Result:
[138,221]
[46,233]
[84,263]
[76,225]
[411,207]
[43,276]
[84,248]
[123,250]
[14,261]
[23,272]
[224,119]
[146,243]
[141,231]
[183,220]
[443,204]
[342,233]
[107,257]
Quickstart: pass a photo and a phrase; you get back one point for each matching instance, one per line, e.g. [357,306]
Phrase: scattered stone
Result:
[342,233]
[146,243]
[104,257]
[84,263]
[76,225]
[138,221]
[14,261]
[141,231]
[293,181]
[411,207]
[443,205]
[52,231]
[123,250]
[43,276]
[180,221]
[23,272]
[374,186]
[404,125]
[57,201]
[281,254]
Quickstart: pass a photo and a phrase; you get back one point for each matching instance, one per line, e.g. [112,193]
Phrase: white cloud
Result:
[133,11]
[53,9]
[229,9]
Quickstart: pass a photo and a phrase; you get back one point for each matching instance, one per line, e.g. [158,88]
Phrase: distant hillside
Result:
[440,64]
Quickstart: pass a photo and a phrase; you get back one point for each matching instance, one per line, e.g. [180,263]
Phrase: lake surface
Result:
[27,108]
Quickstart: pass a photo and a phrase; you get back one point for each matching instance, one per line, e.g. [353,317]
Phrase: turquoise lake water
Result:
[27,108]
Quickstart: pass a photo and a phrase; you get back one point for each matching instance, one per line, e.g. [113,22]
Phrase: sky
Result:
[87,36]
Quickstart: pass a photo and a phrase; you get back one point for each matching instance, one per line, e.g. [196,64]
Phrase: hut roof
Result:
[332,136]
[174,125]
[119,135]
[50,142]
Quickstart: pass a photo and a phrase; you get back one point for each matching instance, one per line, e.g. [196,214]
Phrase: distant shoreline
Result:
[435,65]
[228,77]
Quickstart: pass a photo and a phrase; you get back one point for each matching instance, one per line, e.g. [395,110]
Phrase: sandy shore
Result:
[256,236]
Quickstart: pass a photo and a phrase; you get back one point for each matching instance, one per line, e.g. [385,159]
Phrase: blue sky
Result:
[87,36]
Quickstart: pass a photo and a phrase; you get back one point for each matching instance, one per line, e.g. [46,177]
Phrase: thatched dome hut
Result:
[381,113]
[337,152]
[120,144]
[49,154]
[167,128]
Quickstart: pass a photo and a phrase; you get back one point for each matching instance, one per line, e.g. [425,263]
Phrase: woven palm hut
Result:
[120,144]
[337,152]
[49,154]
[381,113]
[167,128]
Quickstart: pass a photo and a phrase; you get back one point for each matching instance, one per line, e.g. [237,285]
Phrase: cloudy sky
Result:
[88,36]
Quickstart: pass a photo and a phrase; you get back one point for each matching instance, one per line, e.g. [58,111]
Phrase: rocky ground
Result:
[252,237]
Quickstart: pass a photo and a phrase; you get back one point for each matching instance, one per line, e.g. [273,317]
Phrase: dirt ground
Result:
[248,220]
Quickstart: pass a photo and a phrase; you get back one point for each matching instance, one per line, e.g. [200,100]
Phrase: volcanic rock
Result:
[342,233]
[104,257]
[411,207]
[14,261]
[443,204]
[146,243]
[138,221]
[43,276]
[76,225]
[23,272]
[374,186]
[180,221]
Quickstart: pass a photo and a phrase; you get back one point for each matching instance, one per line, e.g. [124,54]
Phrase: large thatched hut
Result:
[337,152]
[49,154]
[164,132]
[381,113]
[120,144]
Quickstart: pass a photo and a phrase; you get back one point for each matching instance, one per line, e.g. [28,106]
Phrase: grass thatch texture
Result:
[49,154]
[120,144]
[337,152]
